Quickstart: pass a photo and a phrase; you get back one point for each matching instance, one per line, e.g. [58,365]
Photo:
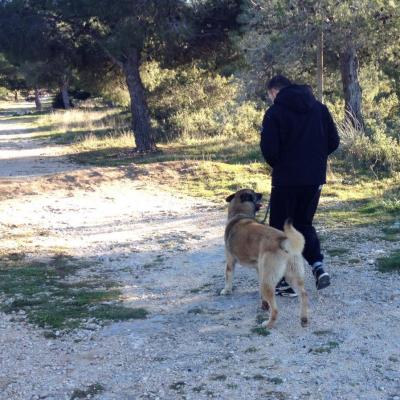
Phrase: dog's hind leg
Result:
[268,296]
[269,276]
[229,271]
[295,277]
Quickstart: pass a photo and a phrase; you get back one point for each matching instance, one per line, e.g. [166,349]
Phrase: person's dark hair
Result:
[278,82]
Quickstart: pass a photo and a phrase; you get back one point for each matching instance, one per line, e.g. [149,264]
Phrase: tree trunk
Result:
[38,103]
[320,66]
[351,86]
[16,95]
[141,128]
[65,95]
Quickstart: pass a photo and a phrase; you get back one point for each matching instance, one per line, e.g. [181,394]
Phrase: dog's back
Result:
[246,239]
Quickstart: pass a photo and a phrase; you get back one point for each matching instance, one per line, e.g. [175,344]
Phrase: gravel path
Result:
[166,252]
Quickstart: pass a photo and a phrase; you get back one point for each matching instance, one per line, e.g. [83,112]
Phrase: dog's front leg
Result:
[229,271]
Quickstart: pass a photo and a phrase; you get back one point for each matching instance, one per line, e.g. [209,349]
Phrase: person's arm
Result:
[269,143]
[333,136]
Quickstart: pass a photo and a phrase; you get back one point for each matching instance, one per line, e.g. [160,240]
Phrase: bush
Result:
[3,93]
[379,153]
[194,103]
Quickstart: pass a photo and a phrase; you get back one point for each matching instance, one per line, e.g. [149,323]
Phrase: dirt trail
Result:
[166,252]
[22,156]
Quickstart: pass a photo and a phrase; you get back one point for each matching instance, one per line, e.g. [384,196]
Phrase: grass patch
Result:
[71,126]
[276,395]
[232,386]
[323,332]
[260,330]
[198,389]
[158,261]
[203,288]
[337,251]
[275,380]
[219,377]
[392,233]
[390,238]
[391,263]
[90,391]
[251,349]
[196,311]
[178,386]
[39,289]
[391,230]
[327,348]
[118,313]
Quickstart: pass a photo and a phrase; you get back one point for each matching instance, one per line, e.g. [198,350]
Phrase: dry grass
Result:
[70,126]
[75,118]
[118,139]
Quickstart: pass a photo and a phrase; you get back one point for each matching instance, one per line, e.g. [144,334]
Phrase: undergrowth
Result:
[42,291]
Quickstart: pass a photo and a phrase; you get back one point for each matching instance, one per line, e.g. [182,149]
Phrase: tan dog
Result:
[273,253]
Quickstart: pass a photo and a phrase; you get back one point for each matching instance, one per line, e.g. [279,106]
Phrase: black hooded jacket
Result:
[298,134]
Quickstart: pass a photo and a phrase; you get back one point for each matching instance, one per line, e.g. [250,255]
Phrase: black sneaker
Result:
[283,289]
[322,279]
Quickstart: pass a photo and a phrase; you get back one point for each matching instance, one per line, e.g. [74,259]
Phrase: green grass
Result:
[40,290]
[327,348]
[275,380]
[390,263]
[220,377]
[178,386]
[89,392]
[259,330]
[372,210]
[391,230]
[203,288]
[323,332]
[339,251]
[391,233]
[251,349]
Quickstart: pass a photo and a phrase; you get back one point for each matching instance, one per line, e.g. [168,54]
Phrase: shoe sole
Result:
[286,294]
[323,281]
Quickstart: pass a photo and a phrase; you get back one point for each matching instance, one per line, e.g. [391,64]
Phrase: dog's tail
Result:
[294,242]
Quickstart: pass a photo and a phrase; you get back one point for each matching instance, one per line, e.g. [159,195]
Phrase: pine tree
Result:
[286,32]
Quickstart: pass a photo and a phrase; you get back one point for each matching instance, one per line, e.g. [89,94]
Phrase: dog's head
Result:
[244,201]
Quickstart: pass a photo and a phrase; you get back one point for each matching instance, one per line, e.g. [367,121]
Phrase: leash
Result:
[266,213]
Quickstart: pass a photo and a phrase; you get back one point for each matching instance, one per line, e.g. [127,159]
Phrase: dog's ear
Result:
[259,196]
[230,197]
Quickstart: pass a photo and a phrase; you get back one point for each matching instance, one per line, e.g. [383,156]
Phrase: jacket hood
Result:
[298,98]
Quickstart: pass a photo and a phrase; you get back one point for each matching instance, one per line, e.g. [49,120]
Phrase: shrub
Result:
[192,103]
[379,153]
[3,93]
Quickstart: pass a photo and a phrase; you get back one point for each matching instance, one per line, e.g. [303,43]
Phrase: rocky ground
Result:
[165,251]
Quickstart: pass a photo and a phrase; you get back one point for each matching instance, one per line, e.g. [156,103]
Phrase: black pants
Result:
[300,204]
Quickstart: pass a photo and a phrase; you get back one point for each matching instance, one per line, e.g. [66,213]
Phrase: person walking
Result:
[298,133]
